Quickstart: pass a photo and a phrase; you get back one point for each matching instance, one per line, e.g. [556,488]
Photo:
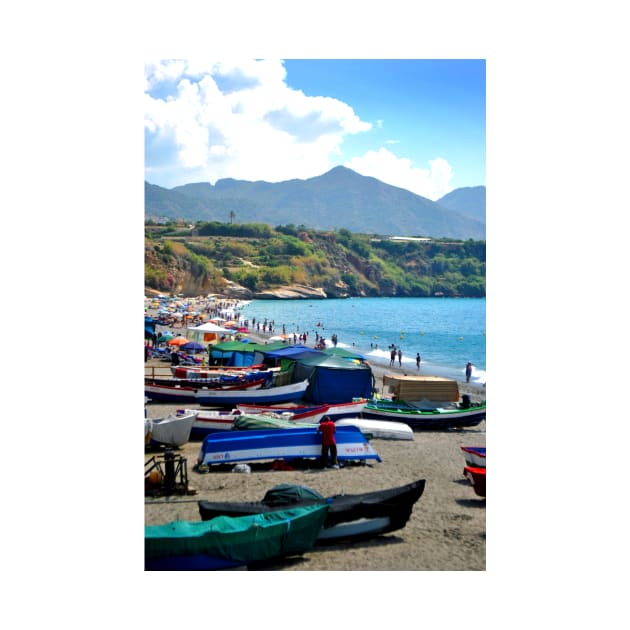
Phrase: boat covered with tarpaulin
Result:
[350,516]
[226,542]
[333,379]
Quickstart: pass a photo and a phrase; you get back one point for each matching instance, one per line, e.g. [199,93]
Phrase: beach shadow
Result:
[358,543]
[277,565]
[462,482]
[472,503]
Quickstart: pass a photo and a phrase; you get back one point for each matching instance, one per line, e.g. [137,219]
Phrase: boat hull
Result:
[333,410]
[379,429]
[272,444]
[477,477]
[211,421]
[299,412]
[278,394]
[429,419]
[475,456]
[171,430]
[227,542]
[349,517]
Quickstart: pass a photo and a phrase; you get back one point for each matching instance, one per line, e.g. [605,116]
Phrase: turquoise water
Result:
[447,332]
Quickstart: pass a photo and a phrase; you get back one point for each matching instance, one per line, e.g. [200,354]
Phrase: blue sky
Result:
[417,124]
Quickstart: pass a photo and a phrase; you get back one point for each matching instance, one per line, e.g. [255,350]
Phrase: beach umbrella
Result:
[193,346]
[279,337]
[178,341]
[164,337]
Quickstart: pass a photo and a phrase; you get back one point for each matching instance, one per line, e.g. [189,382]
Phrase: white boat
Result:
[170,430]
[271,395]
[347,409]
[379,429]
[211,420]
[302,413]
[475,456]
[333,410]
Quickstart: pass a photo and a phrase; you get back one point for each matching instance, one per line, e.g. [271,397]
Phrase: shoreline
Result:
[477,391]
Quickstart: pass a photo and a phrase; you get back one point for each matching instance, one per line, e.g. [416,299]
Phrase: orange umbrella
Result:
[178,341]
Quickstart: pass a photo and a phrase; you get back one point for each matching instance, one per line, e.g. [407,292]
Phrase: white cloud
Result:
[206,121]
[431,183]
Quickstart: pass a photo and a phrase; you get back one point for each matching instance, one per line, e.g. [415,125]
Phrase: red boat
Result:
[477,477]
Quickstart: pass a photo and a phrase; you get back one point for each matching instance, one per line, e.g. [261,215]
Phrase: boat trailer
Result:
[165,475]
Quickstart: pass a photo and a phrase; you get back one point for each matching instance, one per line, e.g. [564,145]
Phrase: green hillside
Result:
[249,260]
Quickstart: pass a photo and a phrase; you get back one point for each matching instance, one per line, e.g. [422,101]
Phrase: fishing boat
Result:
[475,456]
[210,420]
[477,477]
[213,420]
[425,415]
[171,430]
[192,392]
[346,409]
[333,410]
[379,429]
[228,542]
[349,517]
[284,444]
[303,413]
[425,402]
[211,371]
[213,380]
[269,420]
[271,395]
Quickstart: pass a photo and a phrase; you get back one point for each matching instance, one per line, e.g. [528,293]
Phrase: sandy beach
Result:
[447,529]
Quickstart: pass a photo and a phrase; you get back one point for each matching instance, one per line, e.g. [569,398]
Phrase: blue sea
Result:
[447,332]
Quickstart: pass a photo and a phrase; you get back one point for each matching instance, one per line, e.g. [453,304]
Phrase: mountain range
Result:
[340,198]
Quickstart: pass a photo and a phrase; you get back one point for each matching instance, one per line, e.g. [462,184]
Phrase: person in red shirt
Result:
[329,444]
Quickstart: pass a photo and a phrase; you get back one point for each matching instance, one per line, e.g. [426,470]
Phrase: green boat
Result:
[227,542]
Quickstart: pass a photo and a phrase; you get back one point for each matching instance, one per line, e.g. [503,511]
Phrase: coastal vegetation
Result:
[250,259]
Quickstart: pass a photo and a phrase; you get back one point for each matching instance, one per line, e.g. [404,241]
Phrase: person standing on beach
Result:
[392,356]
[418,361]
[399,357]
[329,444]
[468,371]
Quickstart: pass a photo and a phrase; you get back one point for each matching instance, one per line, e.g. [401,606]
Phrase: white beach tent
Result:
[206,333]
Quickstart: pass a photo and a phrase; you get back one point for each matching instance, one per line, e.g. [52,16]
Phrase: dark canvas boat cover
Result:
[288,493]
[333,379]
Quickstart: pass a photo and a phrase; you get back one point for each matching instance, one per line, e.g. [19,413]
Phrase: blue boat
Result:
[270,444]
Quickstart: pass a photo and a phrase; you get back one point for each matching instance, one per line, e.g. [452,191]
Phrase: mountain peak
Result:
[340,198]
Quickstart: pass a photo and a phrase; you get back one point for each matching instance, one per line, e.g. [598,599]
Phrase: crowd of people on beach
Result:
[179,313]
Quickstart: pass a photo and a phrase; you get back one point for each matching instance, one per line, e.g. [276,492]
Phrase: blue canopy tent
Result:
[293,352]
[333,379]
[240,354]
[149,327]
